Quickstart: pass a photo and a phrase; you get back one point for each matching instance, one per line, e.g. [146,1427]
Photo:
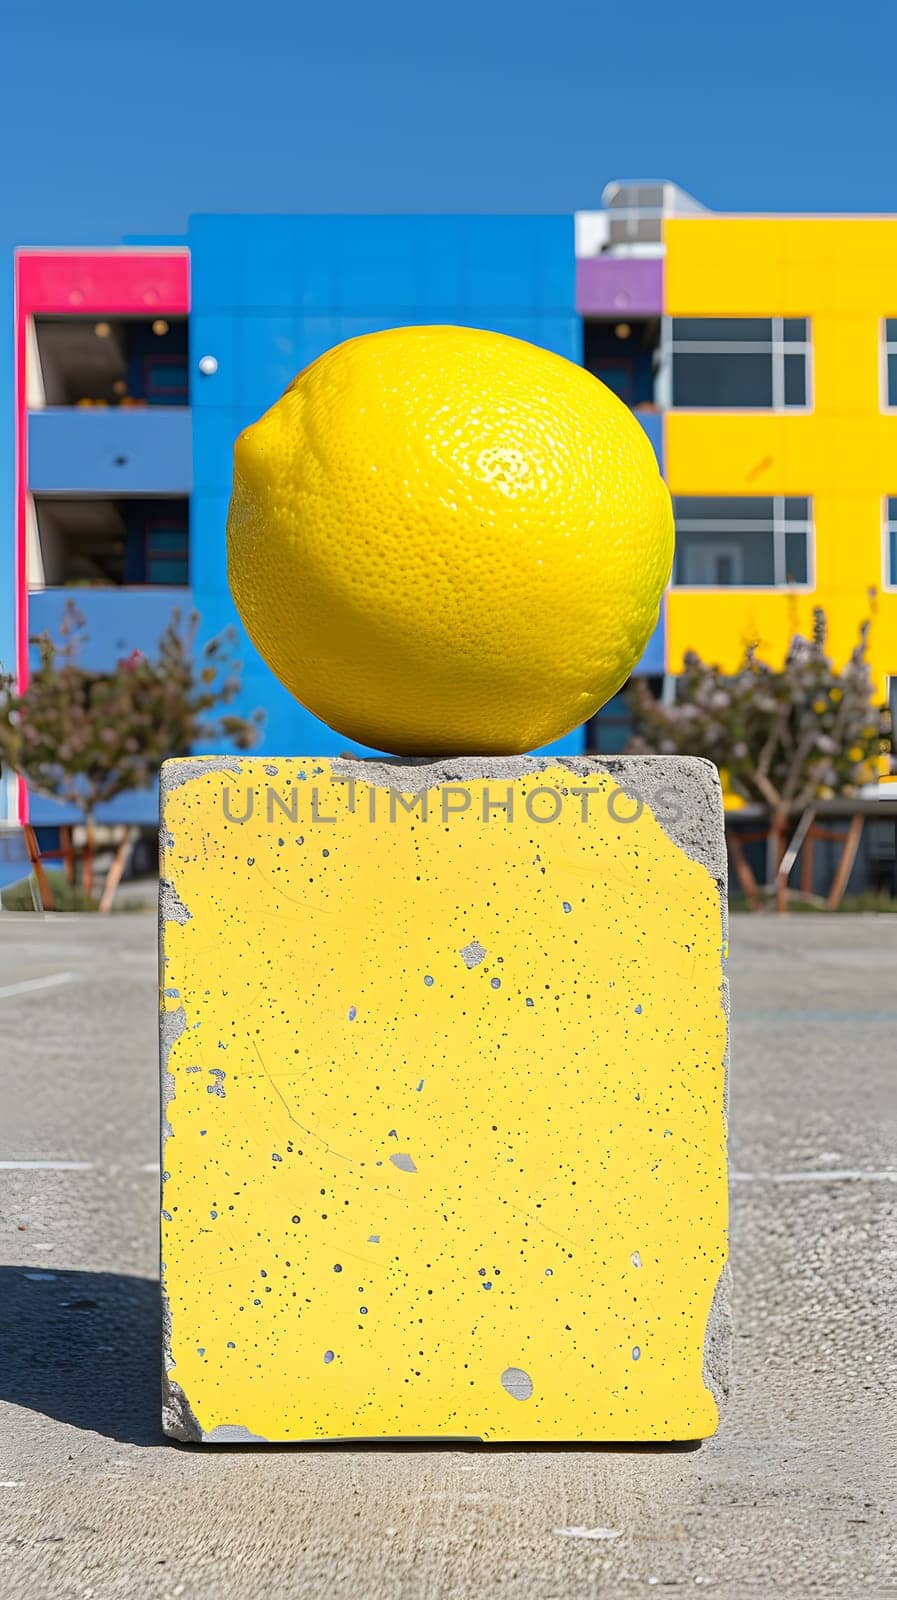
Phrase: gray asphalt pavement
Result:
[792,1498]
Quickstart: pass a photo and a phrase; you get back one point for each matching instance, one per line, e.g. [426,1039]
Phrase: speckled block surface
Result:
[444,1058]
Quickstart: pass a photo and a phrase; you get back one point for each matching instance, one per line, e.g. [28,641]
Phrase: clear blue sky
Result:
[123,116]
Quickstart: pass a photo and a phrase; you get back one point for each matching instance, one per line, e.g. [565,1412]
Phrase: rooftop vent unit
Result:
[631,222]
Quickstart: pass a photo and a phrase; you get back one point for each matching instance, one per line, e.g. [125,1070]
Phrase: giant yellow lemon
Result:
[445,541]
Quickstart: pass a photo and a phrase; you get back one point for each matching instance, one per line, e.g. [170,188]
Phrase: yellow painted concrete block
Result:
[444,1055]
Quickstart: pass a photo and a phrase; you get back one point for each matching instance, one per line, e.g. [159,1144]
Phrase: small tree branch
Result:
[114,875]
[764,760]
[37,867]
[845,864]
[769,792]
[796,769]
[797,838]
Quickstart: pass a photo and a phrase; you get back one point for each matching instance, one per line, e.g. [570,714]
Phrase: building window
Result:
[740,363]
[623,354]
[890,372]
[609,731]
[167,554]
[165,380]
[107,542]
[107,361]
[746,542]
[890,550]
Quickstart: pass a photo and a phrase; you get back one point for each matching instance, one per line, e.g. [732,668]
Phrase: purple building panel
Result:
[612,286]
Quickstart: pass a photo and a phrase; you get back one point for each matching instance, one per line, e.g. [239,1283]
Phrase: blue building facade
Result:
[147,465]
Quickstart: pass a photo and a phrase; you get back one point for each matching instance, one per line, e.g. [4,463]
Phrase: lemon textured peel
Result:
[447,540]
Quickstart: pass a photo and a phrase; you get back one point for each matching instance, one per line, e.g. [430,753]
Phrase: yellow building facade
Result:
[832,442]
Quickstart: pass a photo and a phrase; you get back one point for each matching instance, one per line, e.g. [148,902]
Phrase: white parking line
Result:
[589,1533]
[29,984]
[835,1175]
[829,1175]
[46,1166]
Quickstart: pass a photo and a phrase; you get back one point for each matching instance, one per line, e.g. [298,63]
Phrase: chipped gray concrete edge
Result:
[696,828]
[178,1421]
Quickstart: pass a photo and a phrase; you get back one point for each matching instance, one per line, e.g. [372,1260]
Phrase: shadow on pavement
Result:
[83,1347]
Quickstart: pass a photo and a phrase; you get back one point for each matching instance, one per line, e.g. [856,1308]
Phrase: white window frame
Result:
[777,346]
[9,797]
[780,526]
[886,347]
[888,525]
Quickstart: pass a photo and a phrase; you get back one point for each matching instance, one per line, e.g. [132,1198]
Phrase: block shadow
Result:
[84,1348]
